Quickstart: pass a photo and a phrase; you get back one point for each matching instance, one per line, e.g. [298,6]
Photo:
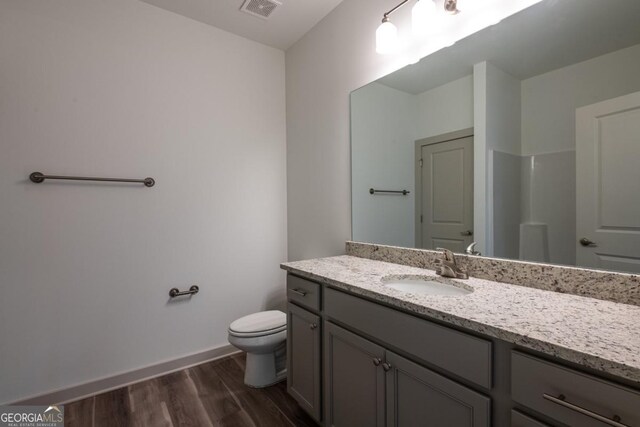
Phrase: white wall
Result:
[549,101]
[121,88]
[336,57]
[497,128]
[446,108]
[383,128]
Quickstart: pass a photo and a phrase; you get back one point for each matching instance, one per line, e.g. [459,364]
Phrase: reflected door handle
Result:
[466,233]
[586,242]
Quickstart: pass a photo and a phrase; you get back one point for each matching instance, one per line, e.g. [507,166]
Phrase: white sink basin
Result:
[426,286]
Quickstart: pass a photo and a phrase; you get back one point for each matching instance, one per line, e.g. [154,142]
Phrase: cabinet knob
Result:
[313,326]
[376,361]
[386,366]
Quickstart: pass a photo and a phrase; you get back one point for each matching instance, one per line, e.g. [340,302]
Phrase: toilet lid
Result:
[266,322]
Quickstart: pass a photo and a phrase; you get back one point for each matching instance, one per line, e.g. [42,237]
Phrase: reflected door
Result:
[445,194]
[608,184]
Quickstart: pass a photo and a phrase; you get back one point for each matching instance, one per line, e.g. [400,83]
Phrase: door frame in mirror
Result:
[418,144]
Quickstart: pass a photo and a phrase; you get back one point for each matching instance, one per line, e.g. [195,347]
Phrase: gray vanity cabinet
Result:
[354,379]
[304,382]
[374,365]
[367,385]
[417,396]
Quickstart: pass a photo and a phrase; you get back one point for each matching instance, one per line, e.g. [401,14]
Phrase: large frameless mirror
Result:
[523,138]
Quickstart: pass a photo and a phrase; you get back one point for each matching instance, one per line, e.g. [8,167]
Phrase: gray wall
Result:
[121,88]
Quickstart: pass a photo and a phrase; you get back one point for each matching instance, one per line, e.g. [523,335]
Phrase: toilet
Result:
[263,336]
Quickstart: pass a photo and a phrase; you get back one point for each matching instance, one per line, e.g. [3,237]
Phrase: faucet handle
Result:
[448,255]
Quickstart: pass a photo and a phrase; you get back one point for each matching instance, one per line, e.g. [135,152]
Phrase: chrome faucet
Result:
[447,267]
[471,249]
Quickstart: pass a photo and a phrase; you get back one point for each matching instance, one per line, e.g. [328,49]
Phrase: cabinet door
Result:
[417,396]
[304,359]
[354,379]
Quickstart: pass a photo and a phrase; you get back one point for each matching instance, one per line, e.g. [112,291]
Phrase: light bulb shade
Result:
[422,17]
[386,38]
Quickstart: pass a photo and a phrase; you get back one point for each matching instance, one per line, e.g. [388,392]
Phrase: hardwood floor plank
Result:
[181,397]
[238,419]
[280,397]
[213,394]
[79,413]
[256,404]
[210,394]
[147,405]
[289,407]
[112,409]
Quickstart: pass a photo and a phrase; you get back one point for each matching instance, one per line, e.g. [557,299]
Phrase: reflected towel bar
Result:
[39,177]
[403,192]
[175,292]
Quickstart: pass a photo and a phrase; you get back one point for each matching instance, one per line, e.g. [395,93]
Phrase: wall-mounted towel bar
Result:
[39,177]
[403,192]
[175,292]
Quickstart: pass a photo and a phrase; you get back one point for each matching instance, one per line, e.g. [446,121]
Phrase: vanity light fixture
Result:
[386,37]
[423,16]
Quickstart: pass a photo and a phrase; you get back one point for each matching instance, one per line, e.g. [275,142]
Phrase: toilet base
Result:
[261,372]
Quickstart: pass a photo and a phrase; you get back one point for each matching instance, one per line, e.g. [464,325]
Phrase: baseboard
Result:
[80,391]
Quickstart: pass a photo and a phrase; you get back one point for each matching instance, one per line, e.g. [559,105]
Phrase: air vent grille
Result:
[260,8]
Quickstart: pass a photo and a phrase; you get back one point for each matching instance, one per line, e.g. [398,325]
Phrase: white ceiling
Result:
[545,37]
[287,24]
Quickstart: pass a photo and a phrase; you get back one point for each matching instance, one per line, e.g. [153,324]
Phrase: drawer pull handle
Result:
[376,361]
[299,292]
[386,366]
[313,326]
[561,400]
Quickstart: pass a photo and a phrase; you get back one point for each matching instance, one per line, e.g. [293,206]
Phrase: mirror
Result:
[524,138]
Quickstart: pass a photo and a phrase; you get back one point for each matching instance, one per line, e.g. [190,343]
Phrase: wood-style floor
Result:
[211,394]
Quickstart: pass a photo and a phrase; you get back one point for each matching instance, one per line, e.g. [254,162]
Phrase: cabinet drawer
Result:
[461,354]
[521,420]
[303,292]
[569,396]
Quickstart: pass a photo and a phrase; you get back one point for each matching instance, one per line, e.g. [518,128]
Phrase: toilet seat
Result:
[259,324]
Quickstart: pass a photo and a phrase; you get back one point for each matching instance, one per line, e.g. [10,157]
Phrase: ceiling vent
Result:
[260,8]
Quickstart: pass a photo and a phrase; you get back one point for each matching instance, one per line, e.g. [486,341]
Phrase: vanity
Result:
[520,143]
[364,353]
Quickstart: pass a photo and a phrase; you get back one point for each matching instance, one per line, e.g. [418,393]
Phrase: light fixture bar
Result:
[385,17]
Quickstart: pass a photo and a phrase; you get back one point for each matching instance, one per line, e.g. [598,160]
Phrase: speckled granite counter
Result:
[601,335]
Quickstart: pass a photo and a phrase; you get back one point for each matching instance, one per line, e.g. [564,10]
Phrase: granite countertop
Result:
[598,334]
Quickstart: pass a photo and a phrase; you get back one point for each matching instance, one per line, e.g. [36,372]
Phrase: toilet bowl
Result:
[263,336]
